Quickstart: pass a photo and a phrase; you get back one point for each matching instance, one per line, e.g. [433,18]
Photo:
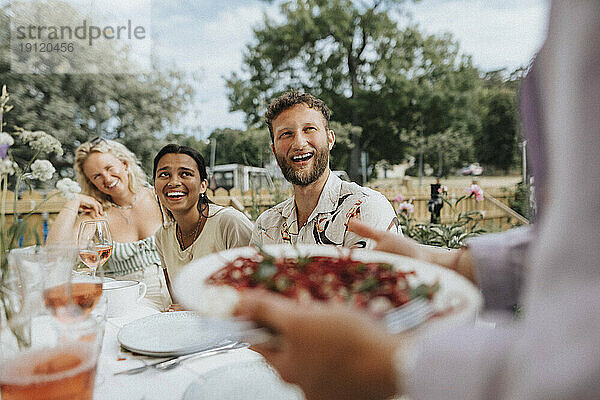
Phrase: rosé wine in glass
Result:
[64,372]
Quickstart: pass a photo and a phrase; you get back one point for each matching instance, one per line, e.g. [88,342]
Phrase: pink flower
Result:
[443,189]
[399,199]
[406,207]
[476,191]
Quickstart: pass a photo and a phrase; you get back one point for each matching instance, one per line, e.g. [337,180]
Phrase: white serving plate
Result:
[457,300]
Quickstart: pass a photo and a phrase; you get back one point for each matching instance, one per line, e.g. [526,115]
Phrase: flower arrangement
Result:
[452,234]
[14,170]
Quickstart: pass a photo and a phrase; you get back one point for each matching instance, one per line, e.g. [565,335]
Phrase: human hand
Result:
[389,242]
[456,260]
[330,351]
[89,205]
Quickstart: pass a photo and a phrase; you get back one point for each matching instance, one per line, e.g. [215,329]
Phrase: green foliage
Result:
[251,147]
[496,142]
[447,150]
[343,144]
[400,86]
[190,141]
[520,202]
[136,109]
[450,235]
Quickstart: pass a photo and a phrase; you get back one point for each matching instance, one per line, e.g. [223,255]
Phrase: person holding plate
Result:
[551,269]
[193,225]
[322,204]
[115,187]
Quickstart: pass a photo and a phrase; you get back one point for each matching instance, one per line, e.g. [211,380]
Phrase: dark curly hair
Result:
[291,98]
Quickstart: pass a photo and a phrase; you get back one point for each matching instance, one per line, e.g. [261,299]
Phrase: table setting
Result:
[134,375]
[140,353]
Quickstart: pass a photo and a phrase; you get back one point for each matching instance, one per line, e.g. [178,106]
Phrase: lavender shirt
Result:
[553,352]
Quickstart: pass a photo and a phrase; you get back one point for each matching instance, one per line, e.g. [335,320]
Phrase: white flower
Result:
[68,188]
[5,138]
[42,142]
[42,170]
[8,167]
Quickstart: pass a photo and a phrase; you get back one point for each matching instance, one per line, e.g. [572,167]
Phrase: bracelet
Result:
[459,253]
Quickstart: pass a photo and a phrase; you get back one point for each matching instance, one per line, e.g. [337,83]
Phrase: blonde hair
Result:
[135,173]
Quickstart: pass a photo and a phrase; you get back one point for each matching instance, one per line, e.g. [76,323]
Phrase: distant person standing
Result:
[322,203]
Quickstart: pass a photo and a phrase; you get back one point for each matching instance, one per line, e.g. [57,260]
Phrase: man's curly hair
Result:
[291,98]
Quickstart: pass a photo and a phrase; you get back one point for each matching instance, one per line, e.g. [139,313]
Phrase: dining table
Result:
[152,383]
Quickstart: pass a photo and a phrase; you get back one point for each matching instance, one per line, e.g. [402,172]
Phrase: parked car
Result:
[474,169]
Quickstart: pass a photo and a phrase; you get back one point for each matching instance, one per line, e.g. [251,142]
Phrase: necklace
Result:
[129,207]
[182,238]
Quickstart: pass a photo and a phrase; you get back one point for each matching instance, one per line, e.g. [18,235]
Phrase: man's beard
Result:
[304,177]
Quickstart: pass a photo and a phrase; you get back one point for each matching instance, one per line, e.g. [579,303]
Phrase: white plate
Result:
[457,300]
[170,334]
[247,380]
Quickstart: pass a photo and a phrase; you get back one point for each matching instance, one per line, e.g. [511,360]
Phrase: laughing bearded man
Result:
[322,203]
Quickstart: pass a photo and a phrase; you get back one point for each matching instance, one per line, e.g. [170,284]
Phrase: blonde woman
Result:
[115,187]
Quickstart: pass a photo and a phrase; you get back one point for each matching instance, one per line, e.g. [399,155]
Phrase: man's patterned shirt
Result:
[339,202]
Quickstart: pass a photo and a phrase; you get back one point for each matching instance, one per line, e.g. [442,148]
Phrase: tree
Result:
[497,142]
[135,109]
[251,147]
[391,82]
[325,47]
[343,144]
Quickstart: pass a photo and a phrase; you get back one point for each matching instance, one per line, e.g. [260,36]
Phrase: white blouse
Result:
[224,229]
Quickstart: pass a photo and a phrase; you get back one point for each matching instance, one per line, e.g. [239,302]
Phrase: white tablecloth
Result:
[150,384]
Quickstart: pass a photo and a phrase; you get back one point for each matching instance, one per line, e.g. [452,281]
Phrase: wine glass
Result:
[95,243]
[56,356]
[86,290]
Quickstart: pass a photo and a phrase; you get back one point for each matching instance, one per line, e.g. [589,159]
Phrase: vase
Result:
[20,298]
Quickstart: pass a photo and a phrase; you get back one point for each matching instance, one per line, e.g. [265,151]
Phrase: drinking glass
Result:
[48,267]
[55,366]
[95,243]
[86,290]
[59,360]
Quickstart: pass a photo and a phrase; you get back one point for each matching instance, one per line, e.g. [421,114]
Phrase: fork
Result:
[407,316]
[170,364]
[230,345]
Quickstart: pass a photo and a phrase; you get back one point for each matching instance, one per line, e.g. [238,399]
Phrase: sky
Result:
[207,39]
